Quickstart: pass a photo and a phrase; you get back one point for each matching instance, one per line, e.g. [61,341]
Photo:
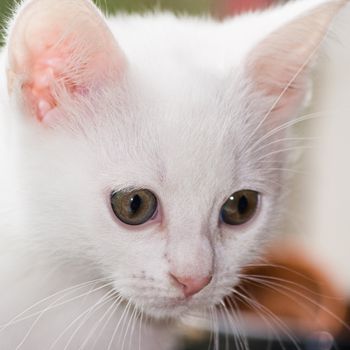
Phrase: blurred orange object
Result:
[296,289]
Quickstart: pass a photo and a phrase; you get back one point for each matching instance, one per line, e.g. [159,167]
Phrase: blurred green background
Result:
[189,6]
[112,6]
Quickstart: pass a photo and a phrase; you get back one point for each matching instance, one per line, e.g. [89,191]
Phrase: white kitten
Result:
[142,164]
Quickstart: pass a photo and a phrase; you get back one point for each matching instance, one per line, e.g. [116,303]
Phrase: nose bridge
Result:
[189,249]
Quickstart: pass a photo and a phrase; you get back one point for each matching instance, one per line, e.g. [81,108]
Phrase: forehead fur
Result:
[184,88]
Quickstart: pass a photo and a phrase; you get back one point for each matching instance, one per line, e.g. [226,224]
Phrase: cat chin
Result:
[174,308]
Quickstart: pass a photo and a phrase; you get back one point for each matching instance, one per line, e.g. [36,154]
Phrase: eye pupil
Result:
[135,203]
[243,205]
[240,207]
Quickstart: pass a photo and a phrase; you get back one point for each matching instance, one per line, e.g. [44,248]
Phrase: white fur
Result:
[177,122]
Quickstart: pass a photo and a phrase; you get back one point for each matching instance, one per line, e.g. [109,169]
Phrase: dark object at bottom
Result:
[232,343]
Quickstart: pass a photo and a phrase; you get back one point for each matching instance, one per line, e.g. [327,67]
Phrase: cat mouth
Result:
[173,307]
[176,302]
[180,301]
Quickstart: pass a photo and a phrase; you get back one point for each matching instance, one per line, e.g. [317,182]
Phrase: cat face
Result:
[151,165]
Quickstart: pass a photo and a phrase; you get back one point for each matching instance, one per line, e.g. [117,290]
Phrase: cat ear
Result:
[280,64]
[59,49]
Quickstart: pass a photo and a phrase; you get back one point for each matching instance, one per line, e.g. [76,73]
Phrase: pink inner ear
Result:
[48,66]
[285,80]
[39,89]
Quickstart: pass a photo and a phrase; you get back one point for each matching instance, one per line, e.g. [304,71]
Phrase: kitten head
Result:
[158,161]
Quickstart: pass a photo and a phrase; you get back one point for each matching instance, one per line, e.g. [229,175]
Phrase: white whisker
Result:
[282,127]
[101,302]
[286,292]
[117,300]
[289,149]
[19,318]
[131,317]
[277,321]
[123,315]
[140,327]
[115,305]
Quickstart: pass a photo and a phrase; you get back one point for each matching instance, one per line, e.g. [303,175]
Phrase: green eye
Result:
[239,207]
[134,207]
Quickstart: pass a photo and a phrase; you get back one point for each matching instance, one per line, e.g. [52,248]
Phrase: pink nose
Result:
[190,285]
